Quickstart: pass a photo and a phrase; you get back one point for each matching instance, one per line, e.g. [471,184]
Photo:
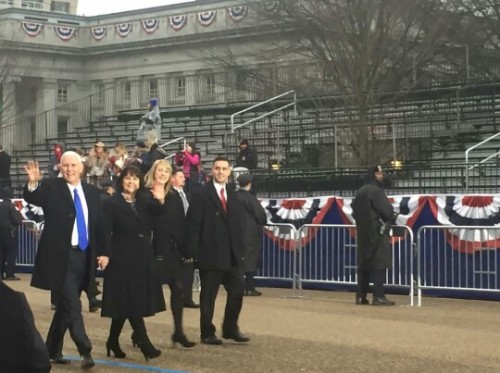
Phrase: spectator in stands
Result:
[150,127]
[55,160]
[97,162]
[374,215]
[253,219]
[169,242]
[247,156]
[148,158]
[136,158]
[190,160]
[118,159]
[10,219]
[22,348]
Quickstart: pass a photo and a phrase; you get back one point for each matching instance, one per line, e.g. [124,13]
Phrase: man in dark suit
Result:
[215,241]
[178,181]
[22,348]
[66,258]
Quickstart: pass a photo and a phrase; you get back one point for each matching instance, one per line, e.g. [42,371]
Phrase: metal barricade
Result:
[458,258]
[28,234]
[278,254]
[327,253]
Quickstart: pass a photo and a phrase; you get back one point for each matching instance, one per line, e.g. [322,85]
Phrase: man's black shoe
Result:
[362,301]
[237,337]
[191,305]
[212,340]
[87,361]
[382,302]
[94,305]
[253,293]
[59,359]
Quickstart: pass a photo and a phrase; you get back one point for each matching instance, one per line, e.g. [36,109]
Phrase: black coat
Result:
[214,237]
[54,197]
[131,287]
[253,219]
[21,347]
[247,158]
[369,208]
[169,238]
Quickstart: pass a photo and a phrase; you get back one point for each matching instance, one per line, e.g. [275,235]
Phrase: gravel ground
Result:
[322,332]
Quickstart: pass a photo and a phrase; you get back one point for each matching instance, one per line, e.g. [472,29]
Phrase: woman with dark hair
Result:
[131,289]
[169,242]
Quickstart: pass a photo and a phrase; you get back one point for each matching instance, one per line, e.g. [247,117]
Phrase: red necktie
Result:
[223,200]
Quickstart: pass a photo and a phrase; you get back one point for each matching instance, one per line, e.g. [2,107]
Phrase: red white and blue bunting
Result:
[123,29]
[150,25]
[207,18]
[32,29]
[177,22]
[271,6]
[237,13]
[65,33]
[98,33]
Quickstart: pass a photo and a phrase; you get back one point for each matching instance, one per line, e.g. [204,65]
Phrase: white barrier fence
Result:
[458,258]
[444,259]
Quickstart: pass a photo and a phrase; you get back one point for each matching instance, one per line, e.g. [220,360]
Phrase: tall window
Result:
[180,87]
[100,92]
[126,92]
[62,126]
[59,6]
[62,94]
[210,85]
[34,4]
[153,88]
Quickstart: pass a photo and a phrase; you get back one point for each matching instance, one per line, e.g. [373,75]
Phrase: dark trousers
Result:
[8,251]
[233,282]
[250,281]
[91,293]
[377,277]
[68,313]
[187,282]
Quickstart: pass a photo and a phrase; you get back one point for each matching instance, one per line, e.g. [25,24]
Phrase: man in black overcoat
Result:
[374,215]
[178,180]
[253,219]
[62,265]
[215,234]
[22,348]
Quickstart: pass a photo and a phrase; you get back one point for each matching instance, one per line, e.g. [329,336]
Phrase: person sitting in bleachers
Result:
[150,127]
[97,162]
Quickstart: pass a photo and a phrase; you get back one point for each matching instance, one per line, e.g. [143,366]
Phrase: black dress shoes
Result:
[253,293]
[191,305]
[382,302]
[87,361]
[11,278]
[362,301]
[59,359]
[237,337]
[212,340]
[94,305]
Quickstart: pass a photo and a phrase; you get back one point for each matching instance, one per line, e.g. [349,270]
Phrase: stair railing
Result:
[173,141]
[473,147]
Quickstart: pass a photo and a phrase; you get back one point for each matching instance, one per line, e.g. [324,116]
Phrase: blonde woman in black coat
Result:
[131,289]
[169,241]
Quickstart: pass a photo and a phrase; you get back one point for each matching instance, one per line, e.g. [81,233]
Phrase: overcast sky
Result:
[96,7]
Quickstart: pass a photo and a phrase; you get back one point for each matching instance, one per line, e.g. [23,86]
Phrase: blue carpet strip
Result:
[144,368]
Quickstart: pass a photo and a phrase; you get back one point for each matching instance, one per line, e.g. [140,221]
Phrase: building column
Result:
[109,98]
[9,131]
[46,120]
[135,88]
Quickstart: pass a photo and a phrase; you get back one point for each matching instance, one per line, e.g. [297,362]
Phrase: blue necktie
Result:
[83,242]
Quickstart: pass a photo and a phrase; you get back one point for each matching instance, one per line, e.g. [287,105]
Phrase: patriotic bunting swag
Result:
[207,18]
[150,25]
[65,33]
[31,29]
[98,33]
[123,29]
[237,13]
[177,22]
